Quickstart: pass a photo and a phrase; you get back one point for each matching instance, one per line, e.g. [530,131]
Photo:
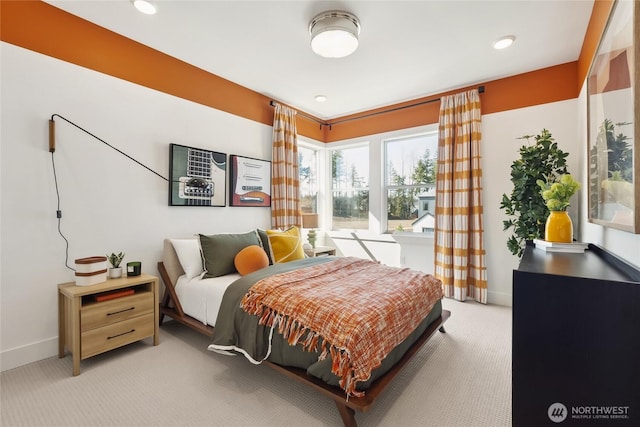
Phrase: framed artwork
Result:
[250,183]
[197,177]
[613,114]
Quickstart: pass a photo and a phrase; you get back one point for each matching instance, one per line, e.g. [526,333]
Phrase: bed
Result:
[230,306]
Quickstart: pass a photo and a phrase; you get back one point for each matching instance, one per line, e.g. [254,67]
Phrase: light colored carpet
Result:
[461,378]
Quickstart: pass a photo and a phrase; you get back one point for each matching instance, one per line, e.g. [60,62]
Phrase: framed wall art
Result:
[613,114]
[197,177]
[250,182]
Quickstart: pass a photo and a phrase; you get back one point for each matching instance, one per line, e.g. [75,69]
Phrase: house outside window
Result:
[410,182]
[350,188]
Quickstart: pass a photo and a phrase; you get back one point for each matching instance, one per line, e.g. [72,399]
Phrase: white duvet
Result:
[201,298]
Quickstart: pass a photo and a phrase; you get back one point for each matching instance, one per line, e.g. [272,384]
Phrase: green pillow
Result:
[219,251]
[264,239]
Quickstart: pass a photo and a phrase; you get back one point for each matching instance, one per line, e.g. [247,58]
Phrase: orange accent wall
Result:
[597,22]
[43,28]
[551,84]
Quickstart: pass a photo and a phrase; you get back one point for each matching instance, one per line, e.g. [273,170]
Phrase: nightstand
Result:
[321,251]
[97,318]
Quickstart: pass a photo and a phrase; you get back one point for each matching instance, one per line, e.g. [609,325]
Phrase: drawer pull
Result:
[121,311]
[119,335]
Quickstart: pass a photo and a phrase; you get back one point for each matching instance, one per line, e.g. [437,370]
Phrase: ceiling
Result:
[408,49]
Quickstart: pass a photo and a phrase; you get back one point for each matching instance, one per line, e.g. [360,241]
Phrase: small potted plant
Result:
[115,259]
[556,194]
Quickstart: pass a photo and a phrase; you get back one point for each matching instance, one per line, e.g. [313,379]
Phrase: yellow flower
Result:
[557,194]
[555,205]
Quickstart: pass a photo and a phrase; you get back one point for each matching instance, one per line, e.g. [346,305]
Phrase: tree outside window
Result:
[308,169]
[350,188]
[410,182]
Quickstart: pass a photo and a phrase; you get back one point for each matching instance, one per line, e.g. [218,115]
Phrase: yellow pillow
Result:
[250,259]
[286,245]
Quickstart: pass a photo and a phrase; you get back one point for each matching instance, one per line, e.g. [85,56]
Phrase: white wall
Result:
[500,147]
[108,202]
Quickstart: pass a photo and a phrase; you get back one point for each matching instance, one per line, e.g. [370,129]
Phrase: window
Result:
[350,188]
[410,181]
[308,167]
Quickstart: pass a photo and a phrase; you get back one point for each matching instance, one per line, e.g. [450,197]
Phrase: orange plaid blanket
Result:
[358,309]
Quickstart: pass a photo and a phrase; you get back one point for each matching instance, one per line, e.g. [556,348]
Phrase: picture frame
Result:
[250,181]
[197,177]
[613,117]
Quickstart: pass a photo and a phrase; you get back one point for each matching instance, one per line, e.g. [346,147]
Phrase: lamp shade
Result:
[334,34]
[310,220]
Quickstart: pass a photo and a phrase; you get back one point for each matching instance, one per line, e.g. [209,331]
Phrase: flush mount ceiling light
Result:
[334,34]
[320,98]
[145,6]
[503,42]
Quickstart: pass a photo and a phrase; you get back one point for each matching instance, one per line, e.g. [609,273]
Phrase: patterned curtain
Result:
[285,178]
[459,248]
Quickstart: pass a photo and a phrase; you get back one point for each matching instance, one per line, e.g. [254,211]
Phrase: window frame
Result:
[319,150]
[378,223]
[431,130]
[341,146]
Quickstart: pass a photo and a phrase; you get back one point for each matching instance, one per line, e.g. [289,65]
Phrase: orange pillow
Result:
[250,259]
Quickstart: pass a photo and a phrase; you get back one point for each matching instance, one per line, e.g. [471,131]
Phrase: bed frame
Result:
[170,270]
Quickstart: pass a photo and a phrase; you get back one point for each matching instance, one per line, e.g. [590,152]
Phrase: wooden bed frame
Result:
[170,306]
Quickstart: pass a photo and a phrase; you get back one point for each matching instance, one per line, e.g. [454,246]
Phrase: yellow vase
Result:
[559,227]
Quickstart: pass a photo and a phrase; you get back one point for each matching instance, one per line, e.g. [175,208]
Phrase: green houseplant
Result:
[525,207]
[115,259]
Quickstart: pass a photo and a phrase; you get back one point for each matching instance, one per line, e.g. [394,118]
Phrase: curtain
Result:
[285,178]
[459,248]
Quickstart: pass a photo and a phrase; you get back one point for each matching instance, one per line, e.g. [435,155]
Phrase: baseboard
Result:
[499,298]
[29,353]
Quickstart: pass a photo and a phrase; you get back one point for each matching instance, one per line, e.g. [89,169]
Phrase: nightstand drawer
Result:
[100,314]
[109,337]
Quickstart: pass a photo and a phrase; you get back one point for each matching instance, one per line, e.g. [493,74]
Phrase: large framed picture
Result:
[250,183]
[197,177]
[613,112]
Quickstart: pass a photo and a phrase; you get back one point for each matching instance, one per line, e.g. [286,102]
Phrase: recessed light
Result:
[320,98]
[145,6]
[503,42]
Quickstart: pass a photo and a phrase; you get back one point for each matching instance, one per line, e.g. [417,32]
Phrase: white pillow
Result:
[188,251]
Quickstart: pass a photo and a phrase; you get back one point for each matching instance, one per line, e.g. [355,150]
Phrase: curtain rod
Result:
[306,116]
[390,110]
